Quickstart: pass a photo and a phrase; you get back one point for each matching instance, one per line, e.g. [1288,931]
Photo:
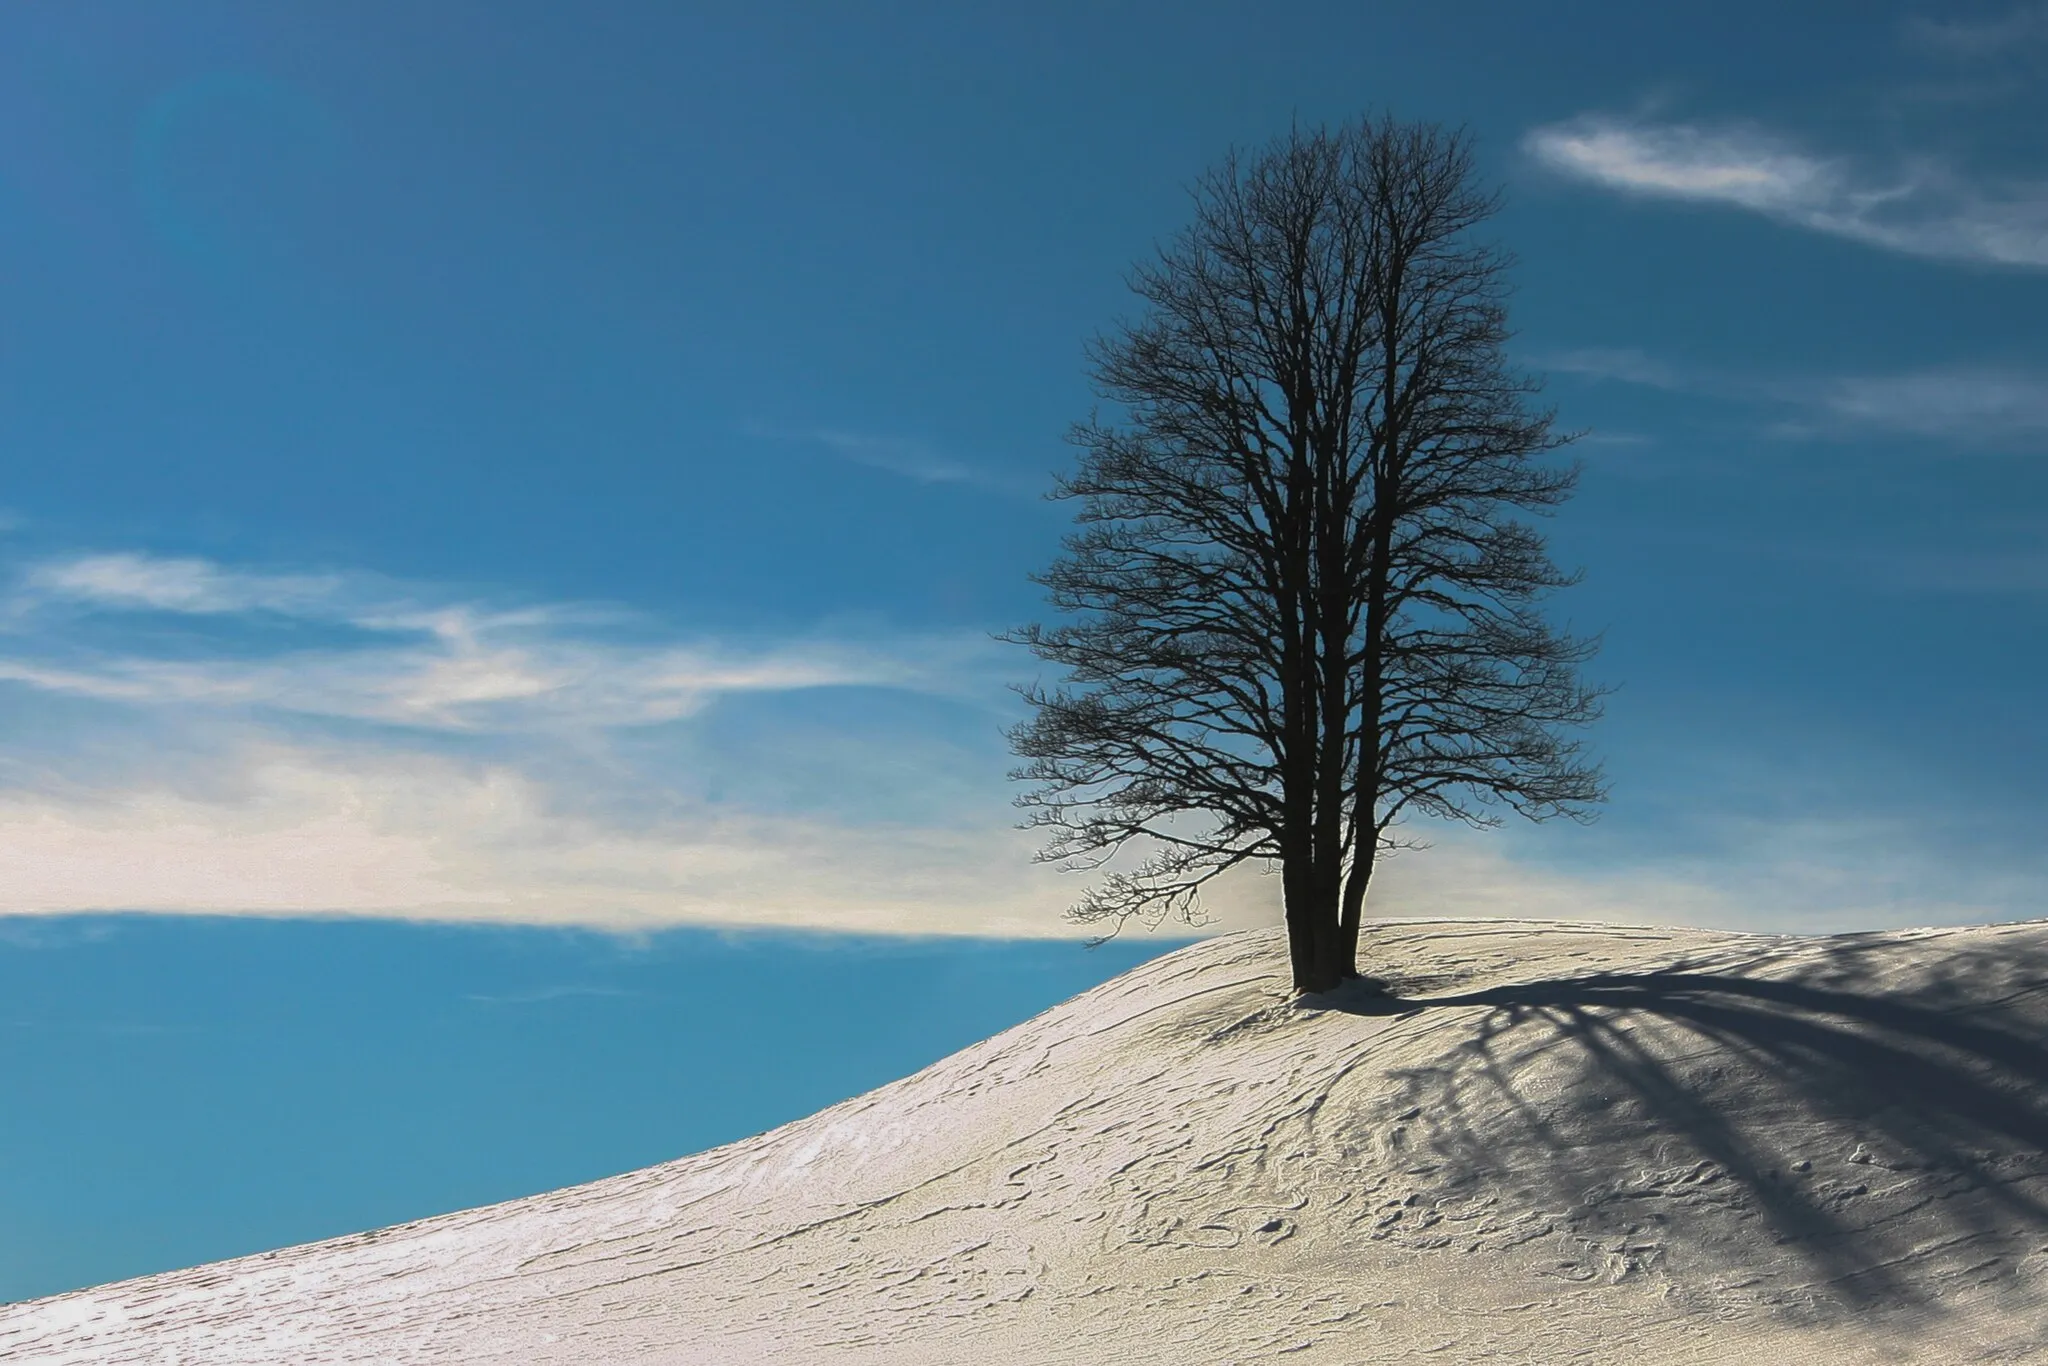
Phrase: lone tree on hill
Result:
[1302,607]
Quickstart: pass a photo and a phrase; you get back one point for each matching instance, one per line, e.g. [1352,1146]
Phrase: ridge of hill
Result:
[1559,1142]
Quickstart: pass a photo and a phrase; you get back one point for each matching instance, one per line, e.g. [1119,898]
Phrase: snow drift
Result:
[1565,1142]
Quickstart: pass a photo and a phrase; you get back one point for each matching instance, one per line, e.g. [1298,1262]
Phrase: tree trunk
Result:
[1301,929]
[1354,902]
[1313,936]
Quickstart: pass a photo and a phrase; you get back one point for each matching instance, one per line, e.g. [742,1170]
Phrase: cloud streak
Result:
[910,459]
[438,665]
[1991,405]
[1919,209]
[2026,26]
[290,830]
[293,831]
[1944,403]
[900,456]
[498,783]
[153,583]
[1624,364]
[494,791]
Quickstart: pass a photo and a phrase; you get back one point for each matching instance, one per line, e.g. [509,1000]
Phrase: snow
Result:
[1568,1142]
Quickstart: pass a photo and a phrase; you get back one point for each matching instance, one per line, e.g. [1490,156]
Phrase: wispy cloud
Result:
[1920,209]
[911,459]
[2022,27]
[183,585]
[306,832]
[1745,167]
[1944,403]
[500,783]
[1625,364]
[438,664]
[1988,405]
[904,457]
[290,830]
[505,797]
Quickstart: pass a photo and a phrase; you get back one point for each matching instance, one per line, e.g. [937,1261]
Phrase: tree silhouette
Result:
[1301,606]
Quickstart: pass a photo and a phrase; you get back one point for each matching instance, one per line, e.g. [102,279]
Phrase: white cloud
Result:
[1969,403]
[295,838]
[547,820]
[1992,405]
[179,585]
[441,665]
[1678,161]
[286,830]
[239,802]
[290,830]
[1920,209]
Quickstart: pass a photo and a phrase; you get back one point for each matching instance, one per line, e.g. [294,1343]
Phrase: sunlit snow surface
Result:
[1570,1142]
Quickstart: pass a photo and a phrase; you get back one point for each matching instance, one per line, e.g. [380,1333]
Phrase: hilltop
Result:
[1559,1142]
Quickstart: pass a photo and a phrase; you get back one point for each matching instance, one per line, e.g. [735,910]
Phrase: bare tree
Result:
[1301,607]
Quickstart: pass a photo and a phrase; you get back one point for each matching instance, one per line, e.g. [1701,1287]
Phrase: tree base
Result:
[1354,986]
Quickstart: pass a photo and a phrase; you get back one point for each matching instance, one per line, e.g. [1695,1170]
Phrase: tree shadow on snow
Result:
[1873,1128]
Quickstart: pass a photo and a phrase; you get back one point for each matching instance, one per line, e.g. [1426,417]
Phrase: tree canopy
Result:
[1302,601]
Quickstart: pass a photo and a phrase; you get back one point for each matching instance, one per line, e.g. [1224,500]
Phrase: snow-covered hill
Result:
[1570,1142]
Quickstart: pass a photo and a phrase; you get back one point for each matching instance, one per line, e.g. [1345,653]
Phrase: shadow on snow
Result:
[1804,1090]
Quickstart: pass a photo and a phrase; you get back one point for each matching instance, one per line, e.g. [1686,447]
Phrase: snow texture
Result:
[1564,1143]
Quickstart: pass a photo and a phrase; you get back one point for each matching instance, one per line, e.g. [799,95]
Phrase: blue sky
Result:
[514,465]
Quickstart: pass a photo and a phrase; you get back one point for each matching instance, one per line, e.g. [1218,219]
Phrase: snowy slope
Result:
[1573,1142]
